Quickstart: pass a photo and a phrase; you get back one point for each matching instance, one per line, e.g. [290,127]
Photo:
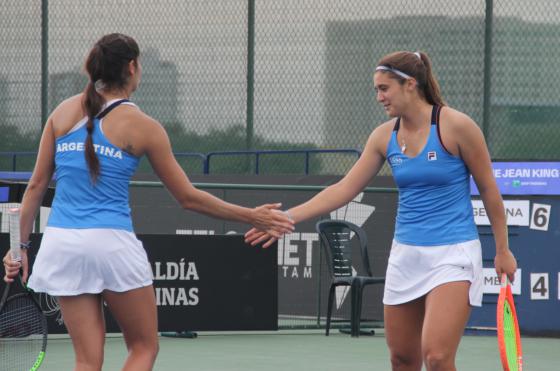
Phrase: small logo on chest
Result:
[395,160]
[432,156]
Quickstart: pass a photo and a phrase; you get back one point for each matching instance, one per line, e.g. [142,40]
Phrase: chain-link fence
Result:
[245,74]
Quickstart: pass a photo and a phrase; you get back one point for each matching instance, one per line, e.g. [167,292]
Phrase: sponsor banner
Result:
[214,283]
[517,212]
[492,284]
[201,283]
[525,178]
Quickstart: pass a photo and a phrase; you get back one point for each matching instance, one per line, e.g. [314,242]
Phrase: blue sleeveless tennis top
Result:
[434,193]
[80,203]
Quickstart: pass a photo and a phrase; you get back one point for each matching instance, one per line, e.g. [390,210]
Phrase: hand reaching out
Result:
[270,225]
[272,221]
[255,236]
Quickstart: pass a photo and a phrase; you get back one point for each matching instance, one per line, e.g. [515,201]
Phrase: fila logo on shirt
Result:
[432,156]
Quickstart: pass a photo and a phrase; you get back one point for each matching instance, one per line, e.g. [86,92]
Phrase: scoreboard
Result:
[531,194]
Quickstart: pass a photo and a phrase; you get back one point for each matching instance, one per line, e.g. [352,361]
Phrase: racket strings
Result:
[510,337]
[22,330]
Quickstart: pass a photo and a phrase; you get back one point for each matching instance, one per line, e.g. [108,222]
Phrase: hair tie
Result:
[99,85]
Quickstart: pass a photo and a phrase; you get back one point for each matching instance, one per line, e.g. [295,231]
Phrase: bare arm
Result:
[474,152]
[33,196]
[341,193]
[160,155]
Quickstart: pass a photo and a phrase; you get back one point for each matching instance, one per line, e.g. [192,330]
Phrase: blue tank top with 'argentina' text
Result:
[80,203]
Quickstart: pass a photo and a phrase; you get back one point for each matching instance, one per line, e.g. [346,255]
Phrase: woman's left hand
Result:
[268,218]
[505,262]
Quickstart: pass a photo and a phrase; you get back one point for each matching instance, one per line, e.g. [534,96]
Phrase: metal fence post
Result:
[487,68]
[44,61]
[250,72]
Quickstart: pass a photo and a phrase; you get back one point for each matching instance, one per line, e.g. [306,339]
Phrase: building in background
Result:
[524,96]
[313,68]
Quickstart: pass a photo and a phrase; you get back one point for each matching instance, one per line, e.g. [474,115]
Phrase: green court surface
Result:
[299,350]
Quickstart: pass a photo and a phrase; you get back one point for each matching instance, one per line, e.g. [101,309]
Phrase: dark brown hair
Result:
[107,68]
[419,68]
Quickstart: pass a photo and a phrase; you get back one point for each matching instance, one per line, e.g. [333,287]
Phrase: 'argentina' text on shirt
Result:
[99,149]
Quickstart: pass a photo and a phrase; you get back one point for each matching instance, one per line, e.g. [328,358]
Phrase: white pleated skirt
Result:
[414,271]
[79,261]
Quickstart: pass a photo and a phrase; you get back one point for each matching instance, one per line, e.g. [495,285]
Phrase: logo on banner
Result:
[176,271]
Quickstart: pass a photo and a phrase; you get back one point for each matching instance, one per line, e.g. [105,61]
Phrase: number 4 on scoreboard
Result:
[539,286]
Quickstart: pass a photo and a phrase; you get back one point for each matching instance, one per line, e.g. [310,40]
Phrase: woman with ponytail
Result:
[434,273]
[89,253]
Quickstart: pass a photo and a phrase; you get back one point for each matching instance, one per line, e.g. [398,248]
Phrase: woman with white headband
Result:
[434,274]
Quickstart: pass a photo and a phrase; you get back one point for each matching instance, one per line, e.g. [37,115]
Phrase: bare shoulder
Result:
[379,137]
[387,126]
[73,101]
[460,133]
[72,106]
[67,114]
[141,120]
[384,130]
[143,132]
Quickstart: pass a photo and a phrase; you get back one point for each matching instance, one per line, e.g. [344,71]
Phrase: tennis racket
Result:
[509,340]
[23,326]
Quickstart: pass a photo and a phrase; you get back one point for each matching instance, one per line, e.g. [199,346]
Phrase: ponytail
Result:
[107,67]
[92,105]
[430,88]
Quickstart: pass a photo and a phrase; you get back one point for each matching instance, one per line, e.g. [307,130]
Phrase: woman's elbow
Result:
[37,185]
[190,200]
[488,190]
[186,203]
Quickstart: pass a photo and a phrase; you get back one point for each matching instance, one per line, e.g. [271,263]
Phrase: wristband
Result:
[25,245]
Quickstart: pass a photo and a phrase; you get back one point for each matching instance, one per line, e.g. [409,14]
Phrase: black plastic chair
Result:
[335,237]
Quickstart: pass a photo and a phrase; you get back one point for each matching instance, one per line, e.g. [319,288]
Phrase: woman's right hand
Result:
[272,221]
[255,236]
[12,267]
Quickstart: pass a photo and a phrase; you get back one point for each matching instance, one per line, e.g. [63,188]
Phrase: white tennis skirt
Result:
[79,261]
[414,271]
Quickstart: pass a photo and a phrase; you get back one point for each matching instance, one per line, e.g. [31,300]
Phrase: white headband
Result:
[394,70]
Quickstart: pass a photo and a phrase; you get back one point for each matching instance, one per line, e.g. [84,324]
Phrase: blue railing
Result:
[258,153]
[196,155]
[206,159]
